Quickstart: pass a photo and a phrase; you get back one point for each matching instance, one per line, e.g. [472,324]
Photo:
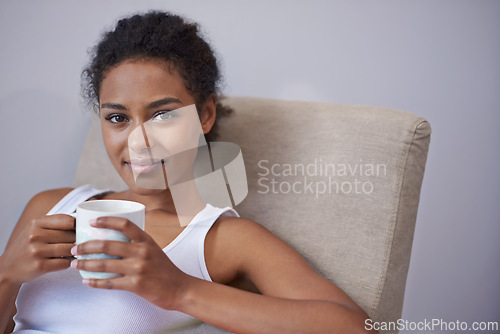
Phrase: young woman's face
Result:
[150,125]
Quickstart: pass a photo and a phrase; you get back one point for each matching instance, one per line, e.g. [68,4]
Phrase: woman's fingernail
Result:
[73,250]
[74,264]
[86,281]
[93,222]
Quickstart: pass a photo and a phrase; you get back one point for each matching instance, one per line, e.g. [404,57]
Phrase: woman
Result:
[146,71]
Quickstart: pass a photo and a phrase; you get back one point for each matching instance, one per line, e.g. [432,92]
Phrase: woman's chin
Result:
[145,191]
[146,186]
[146,182]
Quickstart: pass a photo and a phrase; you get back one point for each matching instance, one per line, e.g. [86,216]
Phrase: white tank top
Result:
[58,302]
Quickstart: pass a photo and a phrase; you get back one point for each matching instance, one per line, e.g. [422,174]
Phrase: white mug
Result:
[86,211]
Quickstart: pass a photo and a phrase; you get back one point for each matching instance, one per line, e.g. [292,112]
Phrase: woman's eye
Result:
[164,116]
[115,118]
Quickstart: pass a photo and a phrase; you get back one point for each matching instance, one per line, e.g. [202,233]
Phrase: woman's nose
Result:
[138,139]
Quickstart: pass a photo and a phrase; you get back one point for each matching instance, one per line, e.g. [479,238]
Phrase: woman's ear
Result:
[208,114]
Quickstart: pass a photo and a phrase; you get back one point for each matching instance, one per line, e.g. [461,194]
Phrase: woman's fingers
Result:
[51,236]
[114,248]
[49,251]
[119,283]
[56,264]
[115,266]
[56,237]
[52,229]
[56,222]
[132,231]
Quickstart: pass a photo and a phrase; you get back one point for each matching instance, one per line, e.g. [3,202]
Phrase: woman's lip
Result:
[143,161]
[140,167]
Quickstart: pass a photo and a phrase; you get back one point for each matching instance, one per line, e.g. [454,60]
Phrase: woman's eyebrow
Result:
[113,106]
[152,105]
[162,102]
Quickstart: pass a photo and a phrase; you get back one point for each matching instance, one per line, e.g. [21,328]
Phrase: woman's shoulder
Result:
[239,235]
[43,201]
[230,225]
[231,239]
[226,242]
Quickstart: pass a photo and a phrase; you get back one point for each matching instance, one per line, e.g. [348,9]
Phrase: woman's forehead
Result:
[142,79]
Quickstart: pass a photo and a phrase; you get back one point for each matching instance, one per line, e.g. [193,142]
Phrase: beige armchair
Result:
[340,183]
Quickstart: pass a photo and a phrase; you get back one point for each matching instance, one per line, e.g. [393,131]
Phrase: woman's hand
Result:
[40,247]
[145,268]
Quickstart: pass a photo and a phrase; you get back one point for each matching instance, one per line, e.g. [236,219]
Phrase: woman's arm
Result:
[245,312]
[8,295]
[294,298]
[25,256]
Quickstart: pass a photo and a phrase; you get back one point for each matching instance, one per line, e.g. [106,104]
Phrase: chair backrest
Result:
[340,183]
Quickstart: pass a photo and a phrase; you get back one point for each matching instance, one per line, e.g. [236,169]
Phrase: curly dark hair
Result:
[164,36]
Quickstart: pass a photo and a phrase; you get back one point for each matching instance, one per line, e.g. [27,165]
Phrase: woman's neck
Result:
[181,200]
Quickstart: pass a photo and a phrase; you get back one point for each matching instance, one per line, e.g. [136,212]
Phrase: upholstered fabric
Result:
[346,183]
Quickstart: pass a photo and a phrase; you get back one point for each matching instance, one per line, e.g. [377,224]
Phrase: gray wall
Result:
[437,59]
